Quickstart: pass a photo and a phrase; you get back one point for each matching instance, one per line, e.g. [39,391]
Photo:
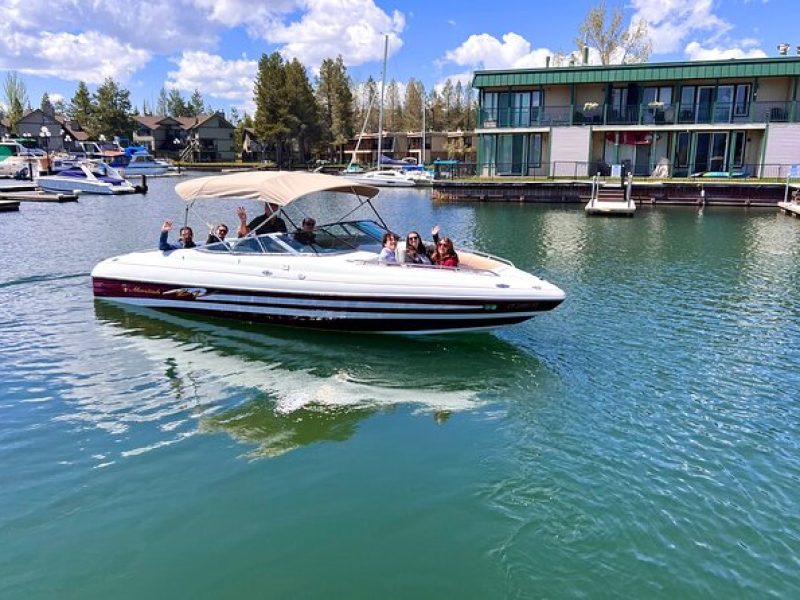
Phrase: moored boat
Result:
[383,178]
[336,282]
[89,177]
[143,163]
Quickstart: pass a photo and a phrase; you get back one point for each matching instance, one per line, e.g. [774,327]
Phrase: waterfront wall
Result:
[575,192]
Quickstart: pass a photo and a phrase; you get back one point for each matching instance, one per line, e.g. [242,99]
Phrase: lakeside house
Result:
[400,145]
[204,138]
[734,117]
[53,132]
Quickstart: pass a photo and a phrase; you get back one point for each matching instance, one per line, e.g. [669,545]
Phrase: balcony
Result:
[653,113]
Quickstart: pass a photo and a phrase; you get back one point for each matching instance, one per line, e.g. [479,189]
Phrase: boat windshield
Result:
[346,236]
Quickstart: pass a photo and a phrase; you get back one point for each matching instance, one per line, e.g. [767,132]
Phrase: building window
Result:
[741,105]
[682,150]
[535,151]
[489,109]
[488,148]
[738,141]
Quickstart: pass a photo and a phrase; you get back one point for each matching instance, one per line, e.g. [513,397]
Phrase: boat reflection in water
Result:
[279,389]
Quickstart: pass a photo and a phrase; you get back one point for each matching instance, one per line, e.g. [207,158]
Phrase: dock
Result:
[9,205]
[36,196]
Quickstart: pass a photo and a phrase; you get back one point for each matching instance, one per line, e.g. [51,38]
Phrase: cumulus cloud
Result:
[89,56]
[695,51]
[155,27]
[328,28]
[484,51]
[670,22]
[214,76]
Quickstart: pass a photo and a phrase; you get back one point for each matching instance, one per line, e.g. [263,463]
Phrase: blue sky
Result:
[213,45]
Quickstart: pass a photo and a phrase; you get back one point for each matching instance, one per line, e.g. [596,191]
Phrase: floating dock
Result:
[37,196]
[8,205]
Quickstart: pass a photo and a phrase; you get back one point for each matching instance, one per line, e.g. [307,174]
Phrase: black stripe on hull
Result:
[358,325]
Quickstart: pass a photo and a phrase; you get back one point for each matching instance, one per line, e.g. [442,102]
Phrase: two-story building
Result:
[735,117]
[206,137]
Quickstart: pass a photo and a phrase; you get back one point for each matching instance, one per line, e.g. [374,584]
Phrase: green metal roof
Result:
[718,69]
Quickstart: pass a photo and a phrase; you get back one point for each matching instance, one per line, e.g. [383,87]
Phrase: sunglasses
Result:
[443,244]
[413,237]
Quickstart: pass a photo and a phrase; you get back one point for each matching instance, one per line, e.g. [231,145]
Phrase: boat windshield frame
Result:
[340,237]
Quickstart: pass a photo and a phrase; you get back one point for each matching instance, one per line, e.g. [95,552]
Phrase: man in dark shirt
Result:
[269,222]
[186,238]
[305,235]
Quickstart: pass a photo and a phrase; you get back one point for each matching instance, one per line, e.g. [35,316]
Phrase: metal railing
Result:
[586,169]
[653,113]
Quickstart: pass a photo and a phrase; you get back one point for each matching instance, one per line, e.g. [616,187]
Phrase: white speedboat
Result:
[384,178]
[143,163]
[88,177]
[335,283]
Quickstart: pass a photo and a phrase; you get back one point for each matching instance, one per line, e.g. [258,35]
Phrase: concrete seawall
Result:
[719,193]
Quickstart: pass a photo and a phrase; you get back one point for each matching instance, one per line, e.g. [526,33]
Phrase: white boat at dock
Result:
[88,177]
[384,178]
[143,163]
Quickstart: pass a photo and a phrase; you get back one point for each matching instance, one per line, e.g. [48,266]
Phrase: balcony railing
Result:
[583,169]
[654,113]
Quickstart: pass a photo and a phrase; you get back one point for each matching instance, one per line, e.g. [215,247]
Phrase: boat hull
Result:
[341,312]
[69,184]
[150,171]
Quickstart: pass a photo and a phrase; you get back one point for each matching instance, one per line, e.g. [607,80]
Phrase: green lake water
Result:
[640,441]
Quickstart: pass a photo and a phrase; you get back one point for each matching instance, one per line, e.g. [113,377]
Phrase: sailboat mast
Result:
[383,88]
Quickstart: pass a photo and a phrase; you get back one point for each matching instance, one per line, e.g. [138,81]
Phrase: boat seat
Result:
[400,252]
[474,261]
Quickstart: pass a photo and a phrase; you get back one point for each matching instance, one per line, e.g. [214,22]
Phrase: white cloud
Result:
[214,76]
[483,51]
[670,22]
[695,51]
[89,56]
[353,28]
[156,27]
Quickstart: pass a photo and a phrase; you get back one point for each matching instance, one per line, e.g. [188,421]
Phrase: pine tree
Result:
[176,107]
[195,106]
[335,100]
[114,110]
[272,123]
[412,112]
[46,106]
[82,109]
[303,110]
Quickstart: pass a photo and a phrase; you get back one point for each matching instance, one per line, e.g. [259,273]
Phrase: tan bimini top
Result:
[277,187]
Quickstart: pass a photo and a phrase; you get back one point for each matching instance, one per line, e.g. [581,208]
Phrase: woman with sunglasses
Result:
[445,255]
[416,252]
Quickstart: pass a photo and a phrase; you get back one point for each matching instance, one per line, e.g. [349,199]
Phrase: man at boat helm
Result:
[186,238]
[269,222]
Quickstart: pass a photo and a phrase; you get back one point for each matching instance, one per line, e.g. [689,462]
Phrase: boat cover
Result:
[278,187]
